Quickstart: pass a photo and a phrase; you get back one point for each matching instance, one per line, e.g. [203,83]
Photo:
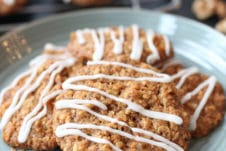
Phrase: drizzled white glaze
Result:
[137,45]
[13,85]
[70,127]
[155,54]
[68,85]
[50,46]
[184,74]
[60,61]
[61,132]
[118,43]
[210,82]
[130,105]
[80,37]
[165,77]
[98,44]
[168,64]
[62,104]
[35,115]
[167,45]
[9,2]
[121,78]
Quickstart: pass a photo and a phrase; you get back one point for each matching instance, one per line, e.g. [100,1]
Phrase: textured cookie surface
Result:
[85,112]
[111,43]
[212,113]
[27,103]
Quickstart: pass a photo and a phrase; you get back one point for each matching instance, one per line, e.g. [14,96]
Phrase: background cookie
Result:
[10,6]
[79,109]
[91,2]
[212,113]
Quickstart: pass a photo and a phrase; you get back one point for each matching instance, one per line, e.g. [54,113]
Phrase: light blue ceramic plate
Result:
[194,43]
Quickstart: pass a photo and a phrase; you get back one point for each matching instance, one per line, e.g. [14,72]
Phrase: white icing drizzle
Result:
[169,63]
[9,2]
[98,44]
[121,78]
[210,82]
[61,104]
[26,125]
[130,105]
[61,132]
[167,45]
[50,46]
[14,83]
[70,127]
[34,116]
[80,37]
[184,74]
[31,84]
[165,77]
[137,45]
[118,43]
[78,104]
[155,54]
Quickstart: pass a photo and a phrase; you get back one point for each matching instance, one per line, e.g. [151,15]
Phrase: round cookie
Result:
[27,103]
[113,42]
[206,114]
[86,3]
[116,106]
[10,6]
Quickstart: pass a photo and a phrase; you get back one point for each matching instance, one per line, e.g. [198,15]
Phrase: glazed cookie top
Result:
[132,42]
[203,97]
[116,106]
[24,101]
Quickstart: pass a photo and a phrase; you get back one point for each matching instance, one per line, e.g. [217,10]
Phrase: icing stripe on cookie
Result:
[62,104]
[137,45]
[155,54]
[210,82]
[129,66]
[72,128]
[133,106]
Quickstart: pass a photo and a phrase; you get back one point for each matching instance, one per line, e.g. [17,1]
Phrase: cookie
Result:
[10,6]
[111,105]
[27,103]
[202,96]
[90,2]
[132,43]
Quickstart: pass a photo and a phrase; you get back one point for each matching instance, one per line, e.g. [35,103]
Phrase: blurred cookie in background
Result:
[86,3]
[10,6]
[221,26]
[204,9]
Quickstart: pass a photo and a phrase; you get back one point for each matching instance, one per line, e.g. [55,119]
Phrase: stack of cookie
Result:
[111,88]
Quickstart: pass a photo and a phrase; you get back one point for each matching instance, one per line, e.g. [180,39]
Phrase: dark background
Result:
[36,9]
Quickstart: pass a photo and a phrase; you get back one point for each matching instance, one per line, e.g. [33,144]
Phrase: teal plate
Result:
[194,43]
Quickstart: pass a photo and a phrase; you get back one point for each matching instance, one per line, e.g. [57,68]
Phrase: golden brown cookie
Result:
[203,98]
[27,103]
[115,106]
